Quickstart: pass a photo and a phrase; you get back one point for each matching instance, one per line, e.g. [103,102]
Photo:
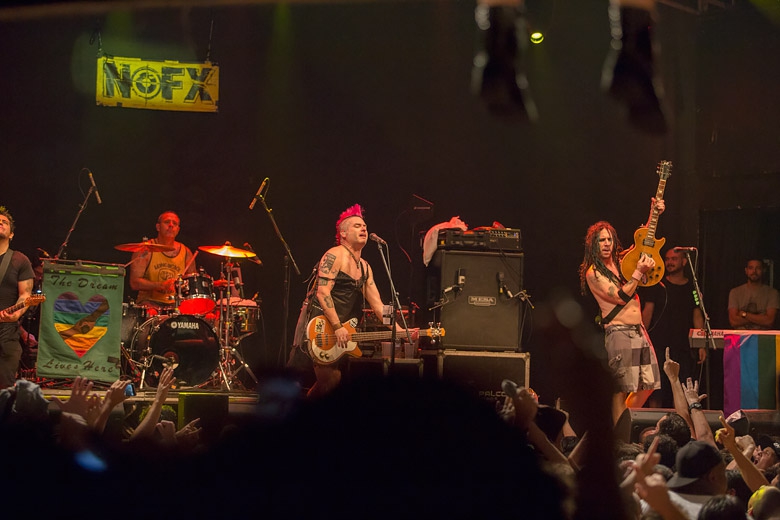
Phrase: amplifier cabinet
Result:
[483,372]
[479,313]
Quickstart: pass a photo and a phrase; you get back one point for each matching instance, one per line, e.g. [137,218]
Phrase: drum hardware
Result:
[185,342]
[229,333]
[197,293]
[201,352]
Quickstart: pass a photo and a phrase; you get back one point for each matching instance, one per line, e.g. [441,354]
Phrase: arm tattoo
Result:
[321,280]
[611,291]
[328,302]
[327,262]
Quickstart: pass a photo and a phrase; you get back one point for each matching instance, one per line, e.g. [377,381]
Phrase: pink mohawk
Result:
[353,211]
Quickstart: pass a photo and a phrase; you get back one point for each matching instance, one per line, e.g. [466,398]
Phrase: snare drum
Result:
[246,315]
[186,342]
[197,291]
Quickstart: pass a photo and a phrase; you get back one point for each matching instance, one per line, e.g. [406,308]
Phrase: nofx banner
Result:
[157,85]
[81,321]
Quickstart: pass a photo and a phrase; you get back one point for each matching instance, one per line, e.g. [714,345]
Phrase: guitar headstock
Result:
[35,299]
[435,332]
[664,169]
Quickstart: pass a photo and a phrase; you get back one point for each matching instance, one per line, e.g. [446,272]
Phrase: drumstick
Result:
[186,267]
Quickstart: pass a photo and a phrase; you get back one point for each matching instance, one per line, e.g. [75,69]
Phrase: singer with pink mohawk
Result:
[344,286]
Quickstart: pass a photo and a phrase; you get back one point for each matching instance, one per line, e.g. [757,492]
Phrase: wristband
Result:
[637,275]
[695,406]
[337,326]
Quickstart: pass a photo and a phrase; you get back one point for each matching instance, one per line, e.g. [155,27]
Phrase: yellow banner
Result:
[157,85]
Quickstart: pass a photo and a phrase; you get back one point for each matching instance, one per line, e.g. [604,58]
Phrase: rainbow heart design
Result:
[81,325]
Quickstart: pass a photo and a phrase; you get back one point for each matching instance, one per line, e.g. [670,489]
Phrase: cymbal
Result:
[228,250]
[132,247]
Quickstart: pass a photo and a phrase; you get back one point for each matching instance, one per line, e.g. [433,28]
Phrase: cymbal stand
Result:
[228,339]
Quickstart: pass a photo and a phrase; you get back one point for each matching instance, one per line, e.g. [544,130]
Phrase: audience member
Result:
[765,504]
[722,507]
[700,474]
[753,305]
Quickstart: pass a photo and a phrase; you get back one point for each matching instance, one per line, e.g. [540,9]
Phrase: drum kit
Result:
[200,333]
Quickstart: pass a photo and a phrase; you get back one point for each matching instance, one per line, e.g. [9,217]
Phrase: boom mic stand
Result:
[395,304]
[288,259]
[709,340]
[61,253]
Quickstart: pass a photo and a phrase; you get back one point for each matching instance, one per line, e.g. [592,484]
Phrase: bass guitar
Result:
[645,241]
[30,301]
[322,339]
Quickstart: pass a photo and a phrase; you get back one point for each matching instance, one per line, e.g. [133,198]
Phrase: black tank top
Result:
[347,295]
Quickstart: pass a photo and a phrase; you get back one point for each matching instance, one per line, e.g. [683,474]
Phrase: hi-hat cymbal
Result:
[228,250]
[133,247]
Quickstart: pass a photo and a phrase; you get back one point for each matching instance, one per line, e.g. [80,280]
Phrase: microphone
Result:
[376,238]
[684,249]
[253,259]
[460,277]
[97,193]
[42,253]
[502,288]
[257,195]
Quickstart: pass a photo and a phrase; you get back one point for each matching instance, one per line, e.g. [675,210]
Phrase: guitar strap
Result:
[609,317]
[615,310]
[6,262]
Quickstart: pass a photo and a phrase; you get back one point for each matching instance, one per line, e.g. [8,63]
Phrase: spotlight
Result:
[497,76]
[537,37]
[629,74]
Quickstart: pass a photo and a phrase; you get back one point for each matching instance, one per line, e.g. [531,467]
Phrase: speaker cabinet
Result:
[483,372]
[211,409]
[477,309]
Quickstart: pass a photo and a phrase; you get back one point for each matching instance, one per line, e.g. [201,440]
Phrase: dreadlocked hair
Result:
[592,256]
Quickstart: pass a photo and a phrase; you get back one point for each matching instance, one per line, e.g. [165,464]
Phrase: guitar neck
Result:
[373,336]
[14,308]
[652,223]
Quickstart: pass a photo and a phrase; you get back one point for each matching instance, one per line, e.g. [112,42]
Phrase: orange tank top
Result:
[163,268]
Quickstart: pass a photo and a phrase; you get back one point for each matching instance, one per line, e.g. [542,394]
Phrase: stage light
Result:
[630,74]
[498,76]
[537,37]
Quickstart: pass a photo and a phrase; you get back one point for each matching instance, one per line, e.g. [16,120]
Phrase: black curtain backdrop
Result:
[371,103]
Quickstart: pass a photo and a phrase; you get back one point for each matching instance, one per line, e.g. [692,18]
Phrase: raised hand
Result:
[166,382]
[671,368]
[77,404]
[691,389]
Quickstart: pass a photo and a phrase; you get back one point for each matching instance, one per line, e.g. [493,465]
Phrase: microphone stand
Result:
[395,304]
[709,340]
[288,259]
[61,252]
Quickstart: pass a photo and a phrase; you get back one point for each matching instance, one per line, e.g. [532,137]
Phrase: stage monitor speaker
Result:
[211,409]
[644,418]
[483,372]
[479,311]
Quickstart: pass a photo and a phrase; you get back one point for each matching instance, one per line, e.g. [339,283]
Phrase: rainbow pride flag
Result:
[751,364]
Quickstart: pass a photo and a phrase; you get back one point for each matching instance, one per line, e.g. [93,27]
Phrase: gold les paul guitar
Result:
[645,242]
[323,346]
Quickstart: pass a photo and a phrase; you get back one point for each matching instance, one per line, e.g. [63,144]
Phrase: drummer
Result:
[154,273]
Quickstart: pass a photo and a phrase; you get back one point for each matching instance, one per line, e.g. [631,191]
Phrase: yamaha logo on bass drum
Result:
[189,325]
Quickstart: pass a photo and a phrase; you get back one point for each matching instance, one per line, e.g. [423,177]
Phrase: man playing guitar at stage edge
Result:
[16,283]
[154,274]
[630,353]
[344,281]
